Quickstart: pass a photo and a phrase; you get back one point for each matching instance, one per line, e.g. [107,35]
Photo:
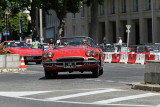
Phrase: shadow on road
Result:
[70,76]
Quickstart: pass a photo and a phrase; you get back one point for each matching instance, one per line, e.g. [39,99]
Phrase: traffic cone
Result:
[22,63]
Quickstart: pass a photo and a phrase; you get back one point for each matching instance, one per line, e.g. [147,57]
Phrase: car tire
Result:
[26,63]
[95,72]
[101,71]
[55,74]
[47,74]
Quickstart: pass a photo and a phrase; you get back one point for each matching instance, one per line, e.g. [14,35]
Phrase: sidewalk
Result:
[146,87]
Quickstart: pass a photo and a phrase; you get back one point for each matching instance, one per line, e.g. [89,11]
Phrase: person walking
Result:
[35,44]
[119,44]
[51,44]
[104,44]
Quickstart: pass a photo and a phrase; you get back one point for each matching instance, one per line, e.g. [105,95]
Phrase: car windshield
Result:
[77,41]
[18,44]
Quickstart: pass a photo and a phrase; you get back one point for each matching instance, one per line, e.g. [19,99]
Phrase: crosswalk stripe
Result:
[125,98]
[19,94]
[83,94]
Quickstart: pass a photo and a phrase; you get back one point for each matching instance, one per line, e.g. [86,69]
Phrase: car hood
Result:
[70,51]
[25,51]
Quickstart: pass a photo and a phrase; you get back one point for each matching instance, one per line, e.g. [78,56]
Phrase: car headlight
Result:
[94,53]
[88,53]
[50,54]
[44,54]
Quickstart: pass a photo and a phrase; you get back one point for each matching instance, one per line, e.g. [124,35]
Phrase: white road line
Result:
[82,94]
[19,94]
[124,98]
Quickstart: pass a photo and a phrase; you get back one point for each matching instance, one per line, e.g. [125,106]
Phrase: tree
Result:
[62,7]
[14,27]
[94,19]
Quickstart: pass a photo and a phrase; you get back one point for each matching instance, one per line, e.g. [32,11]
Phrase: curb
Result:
[11,70]
[146,87]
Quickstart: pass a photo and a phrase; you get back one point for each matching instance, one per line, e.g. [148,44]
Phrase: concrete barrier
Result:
[152,72]
[2,61]
[10,63]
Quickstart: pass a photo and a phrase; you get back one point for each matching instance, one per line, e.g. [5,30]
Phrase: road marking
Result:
[19,94]
[117,105]
[82,94]
[124,98]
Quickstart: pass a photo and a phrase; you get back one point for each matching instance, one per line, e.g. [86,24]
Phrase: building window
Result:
[73,15]
[82,11]
[113,7]
[148,4]
[158,4]
[123,6]
[135,5]
[65,31]
[73,31]
[82,30]
[101,10]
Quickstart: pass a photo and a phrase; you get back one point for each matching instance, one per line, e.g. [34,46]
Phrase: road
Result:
[113,89]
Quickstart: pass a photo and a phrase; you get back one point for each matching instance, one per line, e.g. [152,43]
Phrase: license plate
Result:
[70,65]
[29,57]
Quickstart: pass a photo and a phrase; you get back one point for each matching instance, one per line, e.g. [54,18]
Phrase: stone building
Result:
[114,15]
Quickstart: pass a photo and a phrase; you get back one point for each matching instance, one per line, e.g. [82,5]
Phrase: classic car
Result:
[73,54]
[22,48]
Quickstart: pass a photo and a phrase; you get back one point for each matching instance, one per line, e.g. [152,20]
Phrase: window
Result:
[158,4]
[101,10]
[148,4]
[123,6]
[73,31]
[135,5]
[82,30]
[73,15]
[65,31]
[113,7]
[82,11]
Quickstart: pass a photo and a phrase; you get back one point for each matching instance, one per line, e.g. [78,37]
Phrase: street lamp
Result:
[20,20]
[6,33]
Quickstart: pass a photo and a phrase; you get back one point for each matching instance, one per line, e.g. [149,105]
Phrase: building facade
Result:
[113,16]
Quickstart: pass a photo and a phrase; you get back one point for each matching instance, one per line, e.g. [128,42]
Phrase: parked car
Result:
[73,54]
[22,48]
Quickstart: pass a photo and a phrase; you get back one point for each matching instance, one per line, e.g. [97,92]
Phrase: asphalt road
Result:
[112,89]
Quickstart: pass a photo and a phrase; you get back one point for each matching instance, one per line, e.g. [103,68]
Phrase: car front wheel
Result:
[95,72]
[47,74]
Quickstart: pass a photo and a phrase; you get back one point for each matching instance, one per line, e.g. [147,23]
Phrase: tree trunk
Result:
[94,20]
[61,28]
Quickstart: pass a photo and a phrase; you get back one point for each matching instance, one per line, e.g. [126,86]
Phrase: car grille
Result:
[70,59]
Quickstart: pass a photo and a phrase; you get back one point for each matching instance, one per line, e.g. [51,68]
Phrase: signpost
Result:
[0,38]
[128,31]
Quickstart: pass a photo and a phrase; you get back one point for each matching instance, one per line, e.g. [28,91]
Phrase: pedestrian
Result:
[119,44]
[51,44]
[35,44]
[104,44]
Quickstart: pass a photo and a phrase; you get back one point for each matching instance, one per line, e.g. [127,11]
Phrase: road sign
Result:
[0,37]
[128,31]
[6,33]
[128,26]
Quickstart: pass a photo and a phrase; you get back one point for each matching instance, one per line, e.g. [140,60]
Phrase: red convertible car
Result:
[22,48]
[73,54]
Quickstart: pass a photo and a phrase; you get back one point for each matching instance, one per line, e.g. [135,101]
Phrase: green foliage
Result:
[89,2]
[2,24]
